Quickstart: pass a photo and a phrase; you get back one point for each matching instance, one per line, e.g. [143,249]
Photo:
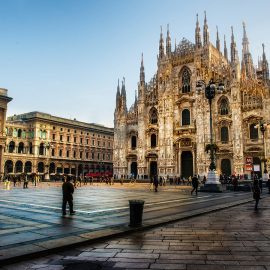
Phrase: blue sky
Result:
[64,57]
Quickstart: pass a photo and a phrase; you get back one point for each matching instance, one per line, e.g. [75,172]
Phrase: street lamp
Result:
[212,184]
[263,127]
[47,145]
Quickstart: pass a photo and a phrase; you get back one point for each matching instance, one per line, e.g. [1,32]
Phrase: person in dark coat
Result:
[195,184]
[68,190]
[156,182]
[268,184]
[256,192]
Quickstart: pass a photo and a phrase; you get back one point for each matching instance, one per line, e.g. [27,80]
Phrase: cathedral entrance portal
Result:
[133,169]
[226,167]
[153,168]
[186,164]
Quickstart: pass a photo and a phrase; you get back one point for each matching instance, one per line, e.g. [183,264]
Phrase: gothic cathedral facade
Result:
[166,131]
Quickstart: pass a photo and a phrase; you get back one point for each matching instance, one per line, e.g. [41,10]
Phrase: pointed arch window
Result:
[133,142]
[224,107]
[153,140]
[224,134]
[186,80]
[185,117]
[253,132]
[153,116]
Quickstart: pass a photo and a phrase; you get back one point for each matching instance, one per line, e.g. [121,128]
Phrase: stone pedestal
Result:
[265,177]
[212,183]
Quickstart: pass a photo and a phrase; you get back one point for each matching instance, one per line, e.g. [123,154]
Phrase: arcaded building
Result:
[166,131]
[41,143]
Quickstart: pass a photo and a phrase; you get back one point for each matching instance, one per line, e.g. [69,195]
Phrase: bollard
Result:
[136,212]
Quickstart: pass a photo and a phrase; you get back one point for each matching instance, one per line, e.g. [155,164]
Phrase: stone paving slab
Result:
[87,226]
[185,248]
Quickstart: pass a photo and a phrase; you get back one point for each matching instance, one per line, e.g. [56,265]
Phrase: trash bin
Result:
[136,212]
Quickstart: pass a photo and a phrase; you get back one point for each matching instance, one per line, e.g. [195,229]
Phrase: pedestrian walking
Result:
[156,182]
[195,184]
[235,183]
[256,192]
[151,183]
[25,181]
[68,190]
[261,184]
[268,185]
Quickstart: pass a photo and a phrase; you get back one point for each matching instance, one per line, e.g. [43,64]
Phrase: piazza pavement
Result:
[180,231]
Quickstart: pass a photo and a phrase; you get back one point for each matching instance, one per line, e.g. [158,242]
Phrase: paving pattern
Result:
[237,238]
[31,221]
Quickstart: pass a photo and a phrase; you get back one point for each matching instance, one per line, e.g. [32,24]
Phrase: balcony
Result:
[184,130]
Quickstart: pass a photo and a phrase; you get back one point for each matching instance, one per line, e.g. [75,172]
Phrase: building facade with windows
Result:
[41,143]
[167,132]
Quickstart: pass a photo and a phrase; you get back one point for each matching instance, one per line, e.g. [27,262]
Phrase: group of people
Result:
[18,179]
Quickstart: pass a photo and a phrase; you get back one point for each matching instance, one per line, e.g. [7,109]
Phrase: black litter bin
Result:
[136,212]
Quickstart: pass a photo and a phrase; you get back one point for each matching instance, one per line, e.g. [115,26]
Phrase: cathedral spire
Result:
[136,99]
[246,55]
[168,42]
[123,95]
[265,67]
[218,41]
[161,44]
[205,31]
[233,48]
[225,49]
[142,74]
[198,42]
[117,95]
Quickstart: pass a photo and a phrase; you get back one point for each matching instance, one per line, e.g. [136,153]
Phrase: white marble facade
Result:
[166,131]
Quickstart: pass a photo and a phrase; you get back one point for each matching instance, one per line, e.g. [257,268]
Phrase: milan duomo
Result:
[167,129]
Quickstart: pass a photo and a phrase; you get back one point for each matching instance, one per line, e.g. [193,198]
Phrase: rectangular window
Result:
[86,155]
[53,137]
[60,153]
[68,138]
[75,139]
[61,138]
[93,142]
[67,153]
[93,156]
[80,154]
[98,143]
[87,141]
[81,140]
[74,154]
[53,152]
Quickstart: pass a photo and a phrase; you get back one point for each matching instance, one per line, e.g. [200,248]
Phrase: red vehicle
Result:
[99,174]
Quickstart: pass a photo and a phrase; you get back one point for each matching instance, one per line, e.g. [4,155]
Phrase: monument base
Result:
[212,183]
[265,177]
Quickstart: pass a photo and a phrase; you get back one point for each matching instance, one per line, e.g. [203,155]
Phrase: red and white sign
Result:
[249,160]
[249,167]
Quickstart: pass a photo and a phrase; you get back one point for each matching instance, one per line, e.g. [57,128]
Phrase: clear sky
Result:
[64,57]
